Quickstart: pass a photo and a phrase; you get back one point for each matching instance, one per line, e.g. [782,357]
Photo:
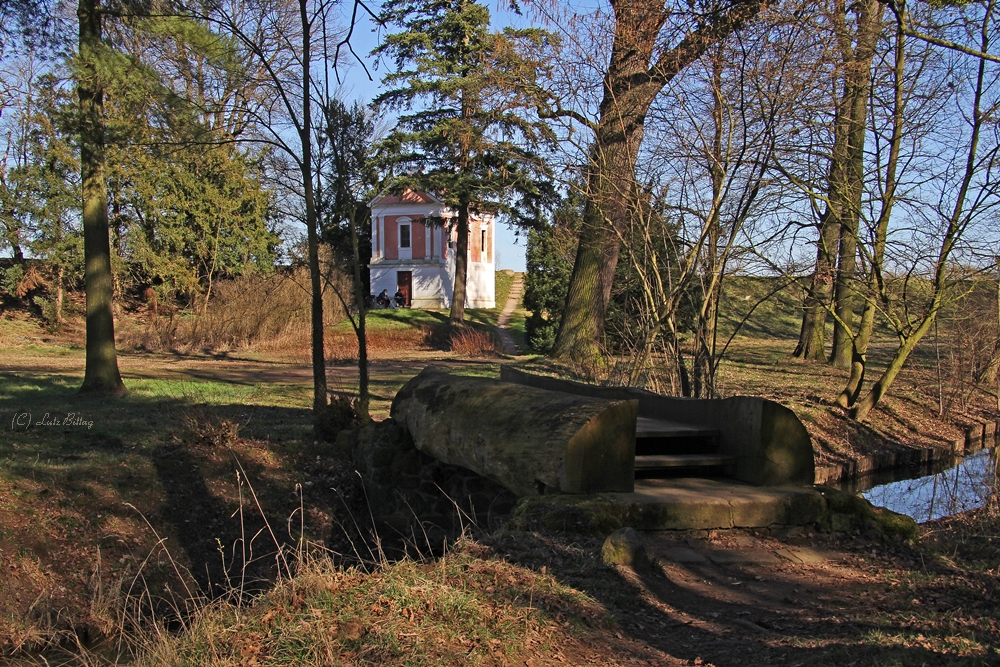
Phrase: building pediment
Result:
[405,198]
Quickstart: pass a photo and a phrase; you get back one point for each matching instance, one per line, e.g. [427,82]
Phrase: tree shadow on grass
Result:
[86,474]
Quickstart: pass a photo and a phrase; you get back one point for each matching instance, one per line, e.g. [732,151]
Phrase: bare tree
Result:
[345,144]
[966,185]
[287,41]
[712,139]
[632,82]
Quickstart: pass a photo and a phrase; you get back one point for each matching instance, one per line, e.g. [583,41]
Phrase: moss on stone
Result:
[625,547]
[849,511]
[891,524]
[588,515]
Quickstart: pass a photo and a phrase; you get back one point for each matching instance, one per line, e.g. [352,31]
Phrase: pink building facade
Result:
[417,258]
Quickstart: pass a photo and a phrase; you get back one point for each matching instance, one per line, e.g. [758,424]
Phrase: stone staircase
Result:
[671,449]
[743,438]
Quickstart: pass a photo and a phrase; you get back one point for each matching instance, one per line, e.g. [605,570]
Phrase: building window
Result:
[404,236]
[484,242]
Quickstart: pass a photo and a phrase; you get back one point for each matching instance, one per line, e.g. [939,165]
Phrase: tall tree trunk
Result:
[629,90]
[460,289]
[833,280]
[812,335]
[845,289]
[101,373]
[876,287]
[364,394]
[461,265]
[630,86]
[312,234]
[582,326]
[857,86]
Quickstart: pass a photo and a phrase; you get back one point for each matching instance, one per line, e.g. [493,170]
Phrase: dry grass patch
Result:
[472,342]
[74,499]
[382,343]
[460,610]
[262,312]
[17,330]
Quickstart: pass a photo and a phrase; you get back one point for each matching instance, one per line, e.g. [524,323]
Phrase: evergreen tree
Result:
[549,259]
[46,185]
[463,135]
[188,203]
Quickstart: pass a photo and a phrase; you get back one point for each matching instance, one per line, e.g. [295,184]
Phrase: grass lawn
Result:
[395,319]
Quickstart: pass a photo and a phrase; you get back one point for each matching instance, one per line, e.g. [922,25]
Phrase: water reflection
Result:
[960,488]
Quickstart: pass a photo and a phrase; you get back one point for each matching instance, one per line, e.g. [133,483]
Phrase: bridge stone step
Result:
[646,427]
[653,461]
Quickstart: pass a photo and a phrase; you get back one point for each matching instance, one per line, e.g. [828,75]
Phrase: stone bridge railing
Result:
[770,444]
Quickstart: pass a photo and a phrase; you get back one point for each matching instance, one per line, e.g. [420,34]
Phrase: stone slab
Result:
[682,461]
[705,504]
[647,427]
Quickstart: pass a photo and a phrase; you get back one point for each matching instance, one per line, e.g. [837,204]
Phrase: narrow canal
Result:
[960,485]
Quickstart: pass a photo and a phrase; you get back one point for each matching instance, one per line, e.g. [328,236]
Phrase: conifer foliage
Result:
[462,133]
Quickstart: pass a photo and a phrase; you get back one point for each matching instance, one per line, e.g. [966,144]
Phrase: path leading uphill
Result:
[513,298]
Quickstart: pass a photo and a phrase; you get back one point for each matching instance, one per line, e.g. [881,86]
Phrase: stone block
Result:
[529,440]
[625,547]
[759,509]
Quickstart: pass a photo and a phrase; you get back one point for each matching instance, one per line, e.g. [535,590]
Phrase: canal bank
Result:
[982,436]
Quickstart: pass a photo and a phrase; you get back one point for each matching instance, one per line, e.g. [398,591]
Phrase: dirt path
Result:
[509,347]
[734,599]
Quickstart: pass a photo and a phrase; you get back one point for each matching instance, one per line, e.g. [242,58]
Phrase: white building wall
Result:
[433,281]
[432,286]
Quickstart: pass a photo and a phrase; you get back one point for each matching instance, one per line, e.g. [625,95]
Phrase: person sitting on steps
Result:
[383,299]
[399,299]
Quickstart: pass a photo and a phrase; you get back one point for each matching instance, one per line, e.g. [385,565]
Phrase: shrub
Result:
[471,342]
[18,282]
[10,278]
[264,312]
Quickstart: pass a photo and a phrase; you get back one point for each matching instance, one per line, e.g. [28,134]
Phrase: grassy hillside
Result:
[466,608]
[760,307]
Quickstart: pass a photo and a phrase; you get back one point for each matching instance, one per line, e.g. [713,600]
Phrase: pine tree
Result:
[464,135]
